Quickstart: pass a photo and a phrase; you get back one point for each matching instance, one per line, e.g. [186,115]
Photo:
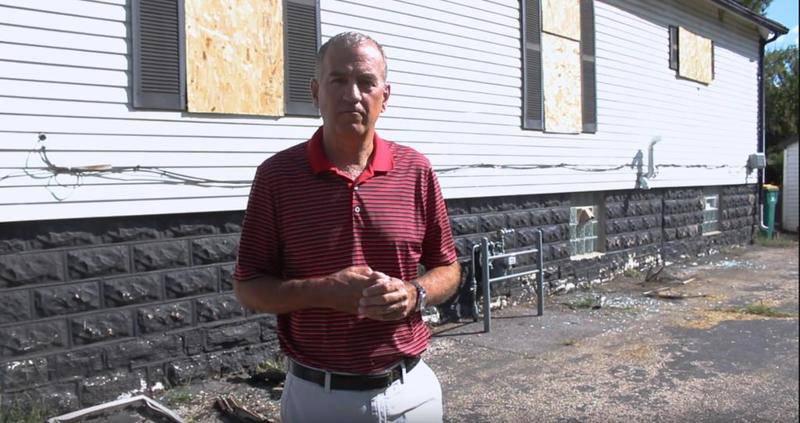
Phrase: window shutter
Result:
[588,68]
[673,48]
[302,42]
[713,61]
[532,104]
[158,54]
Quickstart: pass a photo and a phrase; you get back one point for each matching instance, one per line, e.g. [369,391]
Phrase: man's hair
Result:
[349,40]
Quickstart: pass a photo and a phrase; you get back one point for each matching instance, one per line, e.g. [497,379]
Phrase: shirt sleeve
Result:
[259,245]
[438,248]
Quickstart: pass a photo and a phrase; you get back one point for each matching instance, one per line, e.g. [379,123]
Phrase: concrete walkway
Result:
[727,353]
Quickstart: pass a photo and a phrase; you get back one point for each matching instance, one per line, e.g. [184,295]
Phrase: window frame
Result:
[595,201]
[587,56]
[143,100]
[715,210]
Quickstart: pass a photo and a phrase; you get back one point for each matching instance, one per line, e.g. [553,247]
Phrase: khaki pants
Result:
[415,398]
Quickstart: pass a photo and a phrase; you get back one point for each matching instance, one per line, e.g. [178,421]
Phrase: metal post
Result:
[473,286]
[540,278]
[487,312]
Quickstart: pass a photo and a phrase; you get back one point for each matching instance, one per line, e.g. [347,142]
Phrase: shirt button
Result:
[355,188]
[357,209]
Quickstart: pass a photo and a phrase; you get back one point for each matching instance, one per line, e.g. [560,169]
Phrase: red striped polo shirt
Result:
[306,219]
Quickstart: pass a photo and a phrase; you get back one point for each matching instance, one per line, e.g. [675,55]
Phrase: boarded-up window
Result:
[691,55]
[235,56]
[559,74]
[561,63]
[255,58]
[158,54]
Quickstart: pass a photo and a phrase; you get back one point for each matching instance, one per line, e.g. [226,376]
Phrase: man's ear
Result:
[387,91]
[314,87]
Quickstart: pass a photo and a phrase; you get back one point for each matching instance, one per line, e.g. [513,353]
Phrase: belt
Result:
[347,382]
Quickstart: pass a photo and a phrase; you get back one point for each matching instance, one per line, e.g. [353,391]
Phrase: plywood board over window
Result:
[696,56]
[561,77]
[234,51]
[562,17]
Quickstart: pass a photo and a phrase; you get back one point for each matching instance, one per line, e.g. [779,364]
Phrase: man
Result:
[331,241]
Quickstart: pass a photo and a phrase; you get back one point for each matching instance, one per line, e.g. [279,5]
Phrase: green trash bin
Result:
[770,202]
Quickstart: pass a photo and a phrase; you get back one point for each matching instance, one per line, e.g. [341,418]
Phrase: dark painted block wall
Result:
[95,307]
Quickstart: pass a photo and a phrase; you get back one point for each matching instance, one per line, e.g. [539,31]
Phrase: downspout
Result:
[760,145]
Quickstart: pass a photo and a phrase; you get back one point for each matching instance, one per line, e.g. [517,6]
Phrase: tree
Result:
[758,6]
[781,106]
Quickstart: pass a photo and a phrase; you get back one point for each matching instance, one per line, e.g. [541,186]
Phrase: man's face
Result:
[351,92]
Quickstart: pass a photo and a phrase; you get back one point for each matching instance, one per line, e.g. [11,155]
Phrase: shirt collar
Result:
[381,159]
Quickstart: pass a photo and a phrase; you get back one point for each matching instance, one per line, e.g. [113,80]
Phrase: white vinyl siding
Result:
[456,97]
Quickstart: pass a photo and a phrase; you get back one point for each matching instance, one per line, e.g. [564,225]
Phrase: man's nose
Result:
[352,93]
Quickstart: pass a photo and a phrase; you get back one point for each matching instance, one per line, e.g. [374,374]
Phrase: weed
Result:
[756,309]
[178,396]
[271,370]
[35,413]
[583,303]
[627,309]
[632,273]
[776,242]
[271,364]
[766,311]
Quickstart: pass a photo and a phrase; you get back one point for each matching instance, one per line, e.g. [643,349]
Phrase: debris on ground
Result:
[737,264]
[651,274]
[233,410]
[135,409]
[667,294]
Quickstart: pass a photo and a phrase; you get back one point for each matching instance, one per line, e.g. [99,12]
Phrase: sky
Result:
[785,12]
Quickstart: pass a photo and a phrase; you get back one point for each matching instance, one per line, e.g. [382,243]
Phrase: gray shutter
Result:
[673,48]
[713,63]
[302,42]
[588,68]
[159,69]
[532,103]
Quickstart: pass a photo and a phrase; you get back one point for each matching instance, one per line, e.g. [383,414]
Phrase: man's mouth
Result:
[353,114]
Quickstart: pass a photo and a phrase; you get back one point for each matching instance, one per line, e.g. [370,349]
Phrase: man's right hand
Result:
[347,286]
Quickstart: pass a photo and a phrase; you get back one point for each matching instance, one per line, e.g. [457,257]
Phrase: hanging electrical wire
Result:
[153,174]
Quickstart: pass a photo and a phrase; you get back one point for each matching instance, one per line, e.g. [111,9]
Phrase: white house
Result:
[130,131]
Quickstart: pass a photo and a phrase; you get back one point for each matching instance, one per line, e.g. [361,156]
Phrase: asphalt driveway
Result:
[715,340]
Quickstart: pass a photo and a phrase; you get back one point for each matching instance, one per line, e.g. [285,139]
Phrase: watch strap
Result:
[422,295]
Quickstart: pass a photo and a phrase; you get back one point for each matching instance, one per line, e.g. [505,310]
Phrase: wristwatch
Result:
[422,295]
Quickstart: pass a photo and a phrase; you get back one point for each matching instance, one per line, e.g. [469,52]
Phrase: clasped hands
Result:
[372,294]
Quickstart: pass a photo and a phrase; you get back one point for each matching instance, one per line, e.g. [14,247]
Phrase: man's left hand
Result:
[387,299]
